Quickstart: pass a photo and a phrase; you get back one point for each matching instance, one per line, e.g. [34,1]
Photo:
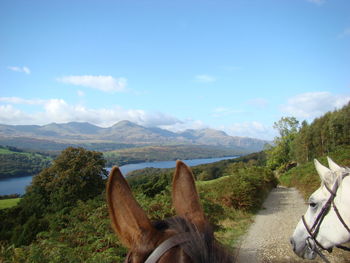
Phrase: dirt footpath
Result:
[268,238]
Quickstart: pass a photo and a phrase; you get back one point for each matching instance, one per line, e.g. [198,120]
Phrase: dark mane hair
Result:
[203,247]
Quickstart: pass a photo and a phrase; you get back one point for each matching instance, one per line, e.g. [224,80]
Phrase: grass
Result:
[234,227]
[305,178]
[5,151]
[211,182]
[7,203]
[233,199]
[233,223]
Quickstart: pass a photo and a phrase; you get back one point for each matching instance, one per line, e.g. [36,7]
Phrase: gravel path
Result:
[268,238]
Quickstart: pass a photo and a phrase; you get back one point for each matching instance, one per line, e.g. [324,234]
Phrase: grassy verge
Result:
[231,201]
[305,178]
[7,203]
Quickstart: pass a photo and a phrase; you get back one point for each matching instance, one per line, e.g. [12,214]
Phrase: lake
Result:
[17,185]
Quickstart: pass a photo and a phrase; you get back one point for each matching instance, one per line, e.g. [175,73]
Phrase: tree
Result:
[76,174]
[283,152]
[287,126]
[303,144]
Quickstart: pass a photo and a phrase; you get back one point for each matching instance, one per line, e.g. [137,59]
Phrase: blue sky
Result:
[236,65]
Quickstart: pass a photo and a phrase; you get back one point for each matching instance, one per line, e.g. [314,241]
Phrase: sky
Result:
[237,65]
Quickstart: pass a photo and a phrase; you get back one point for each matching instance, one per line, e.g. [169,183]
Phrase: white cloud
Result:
[58,110]
[345,33]
[10,115]
[20,69]
[17,100]
[314,104]
[205,78]
[185,125]
[252,129]
[103,83]
[318,2]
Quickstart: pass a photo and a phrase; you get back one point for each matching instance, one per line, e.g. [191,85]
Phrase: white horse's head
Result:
[325,229]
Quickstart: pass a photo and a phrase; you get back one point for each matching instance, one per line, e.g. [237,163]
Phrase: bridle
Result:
[313,231]
[171,242]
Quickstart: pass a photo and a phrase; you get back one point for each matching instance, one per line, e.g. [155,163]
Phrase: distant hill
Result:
[167,153]
[15,162]
[124,133]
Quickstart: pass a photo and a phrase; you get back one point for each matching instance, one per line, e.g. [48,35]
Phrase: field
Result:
[7,203]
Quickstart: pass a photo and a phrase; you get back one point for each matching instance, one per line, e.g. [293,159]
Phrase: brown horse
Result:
[185,238]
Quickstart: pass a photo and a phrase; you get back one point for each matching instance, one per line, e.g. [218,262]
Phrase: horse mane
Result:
[202,247]
[341,175]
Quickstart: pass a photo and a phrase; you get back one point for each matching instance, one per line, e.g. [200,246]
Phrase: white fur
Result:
[331,232]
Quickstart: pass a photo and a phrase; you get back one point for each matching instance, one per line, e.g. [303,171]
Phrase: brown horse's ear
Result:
[185,196]
[129,220]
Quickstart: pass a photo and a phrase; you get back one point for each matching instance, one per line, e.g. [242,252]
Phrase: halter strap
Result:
[312,235]
[324,211]
[166,245]
[340,217]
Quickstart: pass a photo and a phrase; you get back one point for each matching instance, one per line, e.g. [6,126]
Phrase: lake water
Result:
[18,184]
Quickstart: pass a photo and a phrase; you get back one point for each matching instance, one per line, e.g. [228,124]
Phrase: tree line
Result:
[302,142]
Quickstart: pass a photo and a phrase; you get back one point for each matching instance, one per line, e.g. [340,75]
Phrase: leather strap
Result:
[313,231]
[166,245]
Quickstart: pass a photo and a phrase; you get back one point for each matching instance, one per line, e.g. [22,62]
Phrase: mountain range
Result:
[123,132]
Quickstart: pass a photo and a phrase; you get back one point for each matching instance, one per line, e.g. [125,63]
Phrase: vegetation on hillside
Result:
[15,162]
[7,203]
[298,145]
[166,153]
[76,175]
[59,221]
[305,177]
[302,143]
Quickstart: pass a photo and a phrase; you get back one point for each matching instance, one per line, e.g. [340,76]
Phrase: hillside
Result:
[82,232]
[328,135]
[122,133]
[15,162]
[167,153]
[305,177]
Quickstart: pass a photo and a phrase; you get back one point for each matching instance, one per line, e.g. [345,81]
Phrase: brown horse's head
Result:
[143,237]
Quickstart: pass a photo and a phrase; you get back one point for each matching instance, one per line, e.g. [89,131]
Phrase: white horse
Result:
[327,220]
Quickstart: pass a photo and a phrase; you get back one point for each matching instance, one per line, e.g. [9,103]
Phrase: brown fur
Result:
[135,230]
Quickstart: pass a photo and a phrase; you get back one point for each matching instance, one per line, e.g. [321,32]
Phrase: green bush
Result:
[245,189]
[305,177]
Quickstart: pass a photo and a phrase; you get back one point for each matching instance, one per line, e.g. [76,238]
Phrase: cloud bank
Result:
[58,110]
[103,83]
[253,129]
[314,104]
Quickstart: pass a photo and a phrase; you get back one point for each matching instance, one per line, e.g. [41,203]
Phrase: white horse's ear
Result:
[333,165]
[324,173]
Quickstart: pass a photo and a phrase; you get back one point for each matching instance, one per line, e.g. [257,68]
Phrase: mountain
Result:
[220,138]
[123,132]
